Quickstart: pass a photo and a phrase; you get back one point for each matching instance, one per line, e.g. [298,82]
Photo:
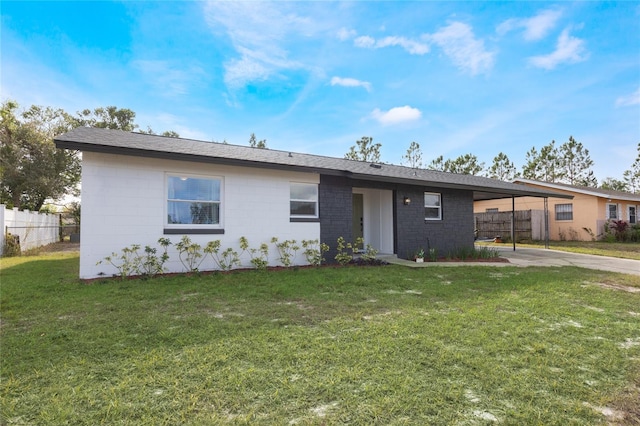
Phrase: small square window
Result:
[303,200]
[564,211]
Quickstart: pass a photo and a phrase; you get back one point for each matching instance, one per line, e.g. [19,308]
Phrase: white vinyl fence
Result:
[34,229]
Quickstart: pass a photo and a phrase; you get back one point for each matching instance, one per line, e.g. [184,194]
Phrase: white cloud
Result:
[345,34]
[460,44]
[629,100]
[364,41]
[411,46]
[535,28]
[350,82]
[568,50]
[258,31]
[396,115]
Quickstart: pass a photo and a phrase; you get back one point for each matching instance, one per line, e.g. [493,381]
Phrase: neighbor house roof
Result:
[143,145]
[586,190]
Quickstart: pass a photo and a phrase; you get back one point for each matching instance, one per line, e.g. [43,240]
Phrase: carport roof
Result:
[154,146]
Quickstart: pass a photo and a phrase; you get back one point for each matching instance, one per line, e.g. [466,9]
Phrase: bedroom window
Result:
[633,217]
[564,211]
[612,211]
[303,200]
[193,202]
[432,206]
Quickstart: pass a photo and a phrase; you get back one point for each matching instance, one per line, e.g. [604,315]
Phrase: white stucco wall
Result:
[123,203]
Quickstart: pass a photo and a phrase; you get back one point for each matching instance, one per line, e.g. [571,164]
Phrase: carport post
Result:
[513,221]
[546,222]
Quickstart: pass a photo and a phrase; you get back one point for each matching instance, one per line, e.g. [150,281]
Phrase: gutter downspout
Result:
[546,222]
[513,221]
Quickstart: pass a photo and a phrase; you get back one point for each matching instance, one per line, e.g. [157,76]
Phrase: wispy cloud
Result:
[568,50]
[629,100]
[344,34]
[169,79]
[258,31]
[534,28]
[461,46]
[350,82]
[413,47]
[396,115]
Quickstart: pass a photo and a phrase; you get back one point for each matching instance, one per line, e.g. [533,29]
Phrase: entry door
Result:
[357,225]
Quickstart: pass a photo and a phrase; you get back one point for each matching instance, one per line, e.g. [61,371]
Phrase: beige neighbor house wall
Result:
[590,212]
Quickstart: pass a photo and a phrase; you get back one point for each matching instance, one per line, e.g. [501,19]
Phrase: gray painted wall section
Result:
[411,231]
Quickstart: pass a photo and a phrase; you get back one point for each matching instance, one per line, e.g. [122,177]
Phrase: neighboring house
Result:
[582,218]
[137,188]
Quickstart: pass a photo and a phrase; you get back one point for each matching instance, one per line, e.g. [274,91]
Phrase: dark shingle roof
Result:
[138,144]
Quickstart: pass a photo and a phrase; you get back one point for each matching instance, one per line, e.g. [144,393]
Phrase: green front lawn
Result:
[356,345]
[599,248]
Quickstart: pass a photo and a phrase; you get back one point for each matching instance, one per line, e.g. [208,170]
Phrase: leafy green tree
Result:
[589,180]
[32,169]
[502,168]
[545,165]
[614,184]
[366,151]
[413,157]
[632,176]
[254,143]
[466,164]
[110,117]
[437,164]
[575,162]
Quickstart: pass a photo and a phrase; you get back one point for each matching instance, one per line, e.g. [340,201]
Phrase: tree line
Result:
[568,163]
[32,169]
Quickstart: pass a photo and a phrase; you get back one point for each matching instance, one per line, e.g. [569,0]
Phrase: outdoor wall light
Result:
[406,201]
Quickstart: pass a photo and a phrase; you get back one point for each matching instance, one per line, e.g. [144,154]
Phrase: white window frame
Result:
[563,212]
[315,201]
[635,216]
[608,216]
[439,206]
[187,226]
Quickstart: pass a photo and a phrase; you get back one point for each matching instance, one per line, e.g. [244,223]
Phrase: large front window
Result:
[432,206]
[193,201]
[303,200]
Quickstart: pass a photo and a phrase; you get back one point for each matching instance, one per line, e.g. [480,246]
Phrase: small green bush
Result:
[11,245]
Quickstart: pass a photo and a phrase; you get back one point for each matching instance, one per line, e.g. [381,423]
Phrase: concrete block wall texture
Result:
[124,203]
[453,232]
[411,231]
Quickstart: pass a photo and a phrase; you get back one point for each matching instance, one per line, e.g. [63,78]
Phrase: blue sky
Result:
[314,77]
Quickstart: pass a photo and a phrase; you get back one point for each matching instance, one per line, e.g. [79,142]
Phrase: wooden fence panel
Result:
[494,224]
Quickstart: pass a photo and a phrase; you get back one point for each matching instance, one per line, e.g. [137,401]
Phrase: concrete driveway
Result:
[545,257]
[538,257]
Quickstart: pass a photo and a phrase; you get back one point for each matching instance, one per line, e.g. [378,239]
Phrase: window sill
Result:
[304,219]
[192,231]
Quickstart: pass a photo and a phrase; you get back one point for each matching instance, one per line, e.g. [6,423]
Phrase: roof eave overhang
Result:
[480,193]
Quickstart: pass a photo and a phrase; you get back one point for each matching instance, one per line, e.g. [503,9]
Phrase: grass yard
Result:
[368,345]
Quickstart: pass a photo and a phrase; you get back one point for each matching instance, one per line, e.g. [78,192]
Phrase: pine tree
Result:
[413,157]
[502,168]
[366,151]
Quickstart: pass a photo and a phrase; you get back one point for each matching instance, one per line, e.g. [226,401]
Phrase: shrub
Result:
[226,259]
[314,251]
[287,250]
[130,262]
[189,253]
[11,245]
[619,229]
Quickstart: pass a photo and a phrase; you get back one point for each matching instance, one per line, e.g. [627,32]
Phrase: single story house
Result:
[137,188]
[581,218]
